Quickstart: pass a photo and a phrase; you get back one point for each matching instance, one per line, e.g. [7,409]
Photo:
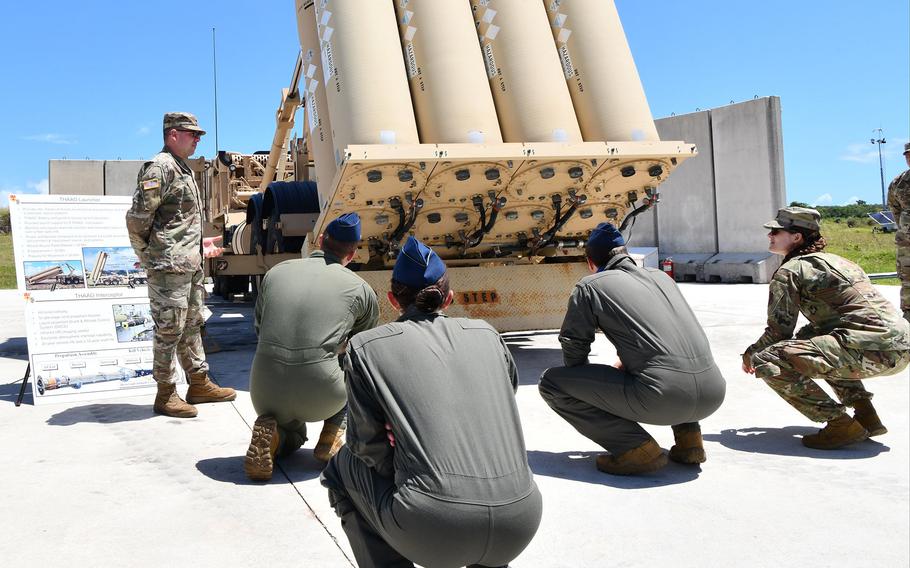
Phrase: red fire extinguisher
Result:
[667,267]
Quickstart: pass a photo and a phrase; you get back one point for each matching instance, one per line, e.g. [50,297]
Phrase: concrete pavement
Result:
[111,483]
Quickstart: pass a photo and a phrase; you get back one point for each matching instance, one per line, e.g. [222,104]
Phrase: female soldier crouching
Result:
[853,333]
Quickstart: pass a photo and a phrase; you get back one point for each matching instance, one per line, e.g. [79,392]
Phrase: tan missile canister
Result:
[319,133]
[368,97]
[597,63]
[452,99]
[532,99]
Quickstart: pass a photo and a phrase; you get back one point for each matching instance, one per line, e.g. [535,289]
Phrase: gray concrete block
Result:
[688,267]
[120,176]
[741,268]
[75,177]
[646,257]
[686,214]
[748,172]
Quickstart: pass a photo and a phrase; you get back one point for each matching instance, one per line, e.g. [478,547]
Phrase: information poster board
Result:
[85,298]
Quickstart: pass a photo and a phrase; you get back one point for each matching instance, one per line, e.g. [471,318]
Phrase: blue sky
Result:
[92,79]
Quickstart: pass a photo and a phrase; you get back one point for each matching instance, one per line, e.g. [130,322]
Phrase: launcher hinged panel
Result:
[504,201]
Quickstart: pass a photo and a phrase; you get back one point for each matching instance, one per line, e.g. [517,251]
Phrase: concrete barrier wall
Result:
[93,177]
[120,176]
[748,172]
[75,177]
[686,214]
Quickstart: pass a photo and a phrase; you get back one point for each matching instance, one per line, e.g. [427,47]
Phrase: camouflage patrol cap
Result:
[795,218]
[181,121]
[906,147]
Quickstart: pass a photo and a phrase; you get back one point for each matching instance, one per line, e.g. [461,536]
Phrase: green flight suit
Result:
[456,489]
[305,313]
[668,376]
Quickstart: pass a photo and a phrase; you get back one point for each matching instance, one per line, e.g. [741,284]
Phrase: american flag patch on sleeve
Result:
[151,184]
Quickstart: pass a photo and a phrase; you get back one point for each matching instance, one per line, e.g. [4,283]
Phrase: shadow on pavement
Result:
[298,467]
[786,442]
[532,361]
[10,392]
[102,414]
[14,348]
[579,466]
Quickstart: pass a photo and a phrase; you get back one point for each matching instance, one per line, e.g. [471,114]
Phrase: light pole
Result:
[881,167]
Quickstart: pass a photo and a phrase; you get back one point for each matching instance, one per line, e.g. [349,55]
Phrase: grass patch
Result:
[874,252]
[7,267]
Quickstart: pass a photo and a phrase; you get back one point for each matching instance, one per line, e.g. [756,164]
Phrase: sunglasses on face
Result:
[777,231]
[192,133]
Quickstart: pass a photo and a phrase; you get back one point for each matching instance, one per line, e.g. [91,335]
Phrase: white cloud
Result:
[40,187]
[852,200]
[31,188]
[861,153]
[143,131]
[868,153]
[823,199]
[50,138]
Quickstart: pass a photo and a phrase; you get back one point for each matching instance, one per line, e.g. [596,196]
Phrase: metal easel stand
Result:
[24,383]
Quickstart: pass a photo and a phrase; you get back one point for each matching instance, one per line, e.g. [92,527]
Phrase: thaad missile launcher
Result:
[489,129]
[499,132]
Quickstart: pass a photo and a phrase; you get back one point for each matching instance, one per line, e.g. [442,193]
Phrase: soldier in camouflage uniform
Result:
[899,204]
[853,333]
[165,229]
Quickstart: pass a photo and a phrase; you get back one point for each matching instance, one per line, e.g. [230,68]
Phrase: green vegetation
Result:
[874,252]
[858,211]
[7,269]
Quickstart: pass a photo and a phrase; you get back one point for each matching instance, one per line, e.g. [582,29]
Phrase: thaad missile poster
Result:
[84,293]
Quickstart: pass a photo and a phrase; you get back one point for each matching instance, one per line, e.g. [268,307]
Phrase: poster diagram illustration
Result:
[85,296]
[53,274]
[133,322]
[112,267]
[60,373]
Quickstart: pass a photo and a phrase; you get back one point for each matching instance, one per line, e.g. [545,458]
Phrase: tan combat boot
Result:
[330,441]
[645,458]
[260,456]
[865,414]
[837,433]
[689,447]
[202,389]
[169,403]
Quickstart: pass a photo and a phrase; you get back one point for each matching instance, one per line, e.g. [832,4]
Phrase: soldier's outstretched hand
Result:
[747,364]
[211,247]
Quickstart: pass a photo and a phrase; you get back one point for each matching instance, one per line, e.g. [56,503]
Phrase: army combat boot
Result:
[202,389]
[837,433]
[330,441]
[169,403]
[865,414]
[689,448]
[645,458]
[260,456]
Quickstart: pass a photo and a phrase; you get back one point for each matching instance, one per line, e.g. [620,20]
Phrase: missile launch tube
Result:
[452,99]
[318,125]
[597,63]
[532,99]
[367,87]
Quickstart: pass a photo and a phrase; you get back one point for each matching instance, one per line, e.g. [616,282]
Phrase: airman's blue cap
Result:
[345,229]
[417,265]
[605,237]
